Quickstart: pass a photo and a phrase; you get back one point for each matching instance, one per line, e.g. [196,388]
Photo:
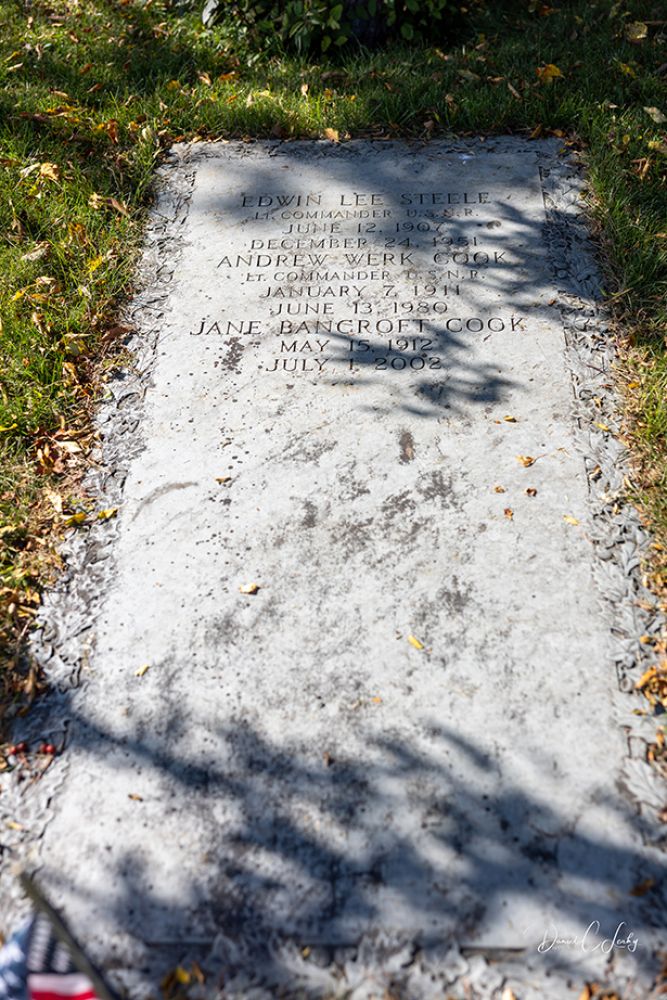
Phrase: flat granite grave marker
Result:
[358,548]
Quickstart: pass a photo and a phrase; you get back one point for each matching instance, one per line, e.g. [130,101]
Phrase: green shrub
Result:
[322,25]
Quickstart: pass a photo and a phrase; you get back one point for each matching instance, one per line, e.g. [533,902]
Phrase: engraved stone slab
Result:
[361,401]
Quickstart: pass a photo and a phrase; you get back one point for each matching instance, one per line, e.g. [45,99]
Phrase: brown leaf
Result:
[331,134]
[499,489]
[636,31]
[531,491]
[249,588]
[526,460]
[509,513]
[642,887]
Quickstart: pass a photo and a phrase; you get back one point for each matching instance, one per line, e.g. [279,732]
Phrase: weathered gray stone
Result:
[292,770]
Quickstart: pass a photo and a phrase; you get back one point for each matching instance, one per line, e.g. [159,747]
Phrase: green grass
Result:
[91,94]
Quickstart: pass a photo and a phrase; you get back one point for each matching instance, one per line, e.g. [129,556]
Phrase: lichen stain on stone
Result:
[232,359]
[310,515]
[397,504]
[434,486]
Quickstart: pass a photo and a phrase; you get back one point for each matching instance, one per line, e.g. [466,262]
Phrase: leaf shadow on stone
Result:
[315,851]
[461,377]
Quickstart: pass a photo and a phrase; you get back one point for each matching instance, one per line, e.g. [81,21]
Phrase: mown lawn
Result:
[93,93]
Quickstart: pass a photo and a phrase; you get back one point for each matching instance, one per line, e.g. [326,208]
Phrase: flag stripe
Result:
[47,986]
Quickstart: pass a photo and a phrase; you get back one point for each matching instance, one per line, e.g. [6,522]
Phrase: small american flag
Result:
[36,965]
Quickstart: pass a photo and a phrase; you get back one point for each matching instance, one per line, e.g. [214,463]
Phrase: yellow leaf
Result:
[548,73]
[526,460]
[182,975]
[331,134]
[647,676]
[75,519]
[509,420]
[377,700]
[51,171]
[499,489]
[628,70]
[142,670]
[105,515]
[94,264]
[603,427]
[414,641]
[13,825]
[570,520]
[7,427]
[249,588]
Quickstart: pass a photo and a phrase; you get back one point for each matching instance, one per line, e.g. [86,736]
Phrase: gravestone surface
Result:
[371,549]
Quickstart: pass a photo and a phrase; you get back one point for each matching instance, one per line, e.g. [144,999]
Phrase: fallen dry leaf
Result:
[531,491]
[636,31]
[548,73]
[508,994]
[414,641]
[656,114]
[223,479]
[509,513]
[40,250]
[304,89]
[526,460]
[135,797]
[142,670]
[331,134]
[50,171]
[105,515]
[249,588]
[642,887]
[509,420]
[570,520]
[499,489]
[76,519]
